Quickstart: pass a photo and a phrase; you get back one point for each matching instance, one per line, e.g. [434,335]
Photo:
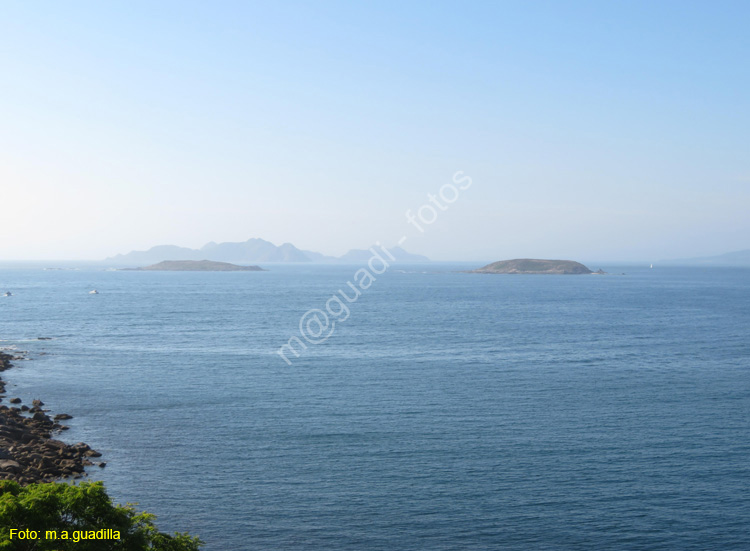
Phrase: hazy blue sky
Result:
[592,130]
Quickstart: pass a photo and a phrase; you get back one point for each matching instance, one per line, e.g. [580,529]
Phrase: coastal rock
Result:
[9,465]
[15,400]
[28,453]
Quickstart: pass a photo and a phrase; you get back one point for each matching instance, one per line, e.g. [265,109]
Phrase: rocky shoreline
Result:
[28,453]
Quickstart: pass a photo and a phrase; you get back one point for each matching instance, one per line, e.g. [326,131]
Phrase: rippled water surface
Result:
[450,411]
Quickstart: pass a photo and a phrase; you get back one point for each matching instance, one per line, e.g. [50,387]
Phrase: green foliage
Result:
[76,510]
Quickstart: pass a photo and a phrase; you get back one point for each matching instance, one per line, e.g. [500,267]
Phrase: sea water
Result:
[449,411]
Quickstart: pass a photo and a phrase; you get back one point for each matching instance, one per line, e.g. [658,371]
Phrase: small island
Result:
[534,266]
[198,266]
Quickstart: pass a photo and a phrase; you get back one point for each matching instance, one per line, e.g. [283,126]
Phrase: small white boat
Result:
[652,265]
[94,292]
[8,294]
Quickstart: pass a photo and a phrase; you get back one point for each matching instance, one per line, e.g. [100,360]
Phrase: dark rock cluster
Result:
[28,453]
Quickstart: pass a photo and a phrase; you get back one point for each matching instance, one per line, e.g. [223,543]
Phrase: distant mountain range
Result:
[736,258]
[252,251]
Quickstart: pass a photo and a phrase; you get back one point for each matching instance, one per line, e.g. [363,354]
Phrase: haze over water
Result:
[606,130]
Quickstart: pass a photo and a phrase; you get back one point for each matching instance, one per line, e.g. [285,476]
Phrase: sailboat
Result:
[652,265]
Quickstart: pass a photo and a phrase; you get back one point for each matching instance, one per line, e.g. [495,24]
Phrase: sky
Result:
[590,130]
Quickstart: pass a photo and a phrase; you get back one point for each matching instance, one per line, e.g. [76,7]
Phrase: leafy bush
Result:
[78,512]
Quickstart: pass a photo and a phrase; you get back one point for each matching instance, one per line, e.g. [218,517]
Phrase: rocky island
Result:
[198,266]
[534,266]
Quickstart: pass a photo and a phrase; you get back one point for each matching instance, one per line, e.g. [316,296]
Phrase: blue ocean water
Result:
[450,411]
